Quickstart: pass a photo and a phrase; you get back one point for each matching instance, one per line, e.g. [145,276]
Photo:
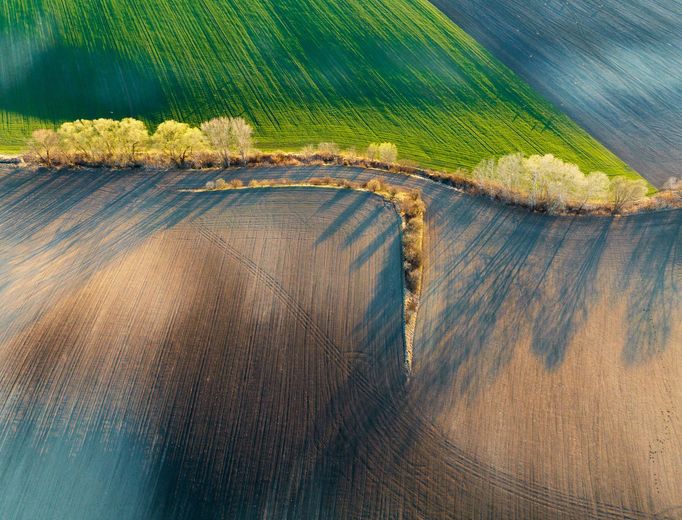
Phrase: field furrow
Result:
[225,354]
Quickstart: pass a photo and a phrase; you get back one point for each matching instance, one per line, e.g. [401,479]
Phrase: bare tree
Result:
[45,144]
[486,170]
[373,151]
[243,133]
[388,152]
[595,187]
[221,136]
[385,152]
[509,175]
[625,192]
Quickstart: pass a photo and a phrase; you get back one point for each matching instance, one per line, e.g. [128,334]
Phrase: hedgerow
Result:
[540,182]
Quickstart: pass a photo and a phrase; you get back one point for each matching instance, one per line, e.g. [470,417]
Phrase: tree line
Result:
[544,181]
[126,142]
[540,182]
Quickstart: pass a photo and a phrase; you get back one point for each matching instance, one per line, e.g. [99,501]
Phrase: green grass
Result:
[303,71]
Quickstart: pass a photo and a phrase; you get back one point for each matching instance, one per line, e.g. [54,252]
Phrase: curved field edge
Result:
[407,205]
[472,242]
[462,180]
[163,407]
[538,329]
[390,70]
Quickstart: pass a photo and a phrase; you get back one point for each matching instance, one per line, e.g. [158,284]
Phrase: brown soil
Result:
[240,355]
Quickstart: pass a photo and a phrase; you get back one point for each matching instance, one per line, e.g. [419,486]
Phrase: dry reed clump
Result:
[408,204]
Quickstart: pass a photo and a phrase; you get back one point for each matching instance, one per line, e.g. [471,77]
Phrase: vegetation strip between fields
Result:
[409,206]
[542,183]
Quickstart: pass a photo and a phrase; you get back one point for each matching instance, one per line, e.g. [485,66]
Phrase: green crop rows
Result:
[303,71]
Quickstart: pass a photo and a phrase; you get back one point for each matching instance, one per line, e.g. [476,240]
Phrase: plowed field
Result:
[240,354]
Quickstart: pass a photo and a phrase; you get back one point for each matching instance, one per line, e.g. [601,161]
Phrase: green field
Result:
[302,71]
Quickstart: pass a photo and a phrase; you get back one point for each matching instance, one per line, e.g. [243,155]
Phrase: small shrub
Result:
[204,159]
[210,185]
[412,208]
[413,256]
[413,280]
[328,149]
[665,199]
[220,184]
[414,226]
[375,185]
[235,183]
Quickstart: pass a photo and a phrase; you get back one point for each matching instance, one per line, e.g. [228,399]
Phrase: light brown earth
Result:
[240,355]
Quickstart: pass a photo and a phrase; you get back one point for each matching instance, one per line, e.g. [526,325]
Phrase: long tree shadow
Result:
[99,218]
[477,329]
[565,308]
[366,445]
[651,283]
[367,222]
[306,479]
[343,219]
[370,249]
